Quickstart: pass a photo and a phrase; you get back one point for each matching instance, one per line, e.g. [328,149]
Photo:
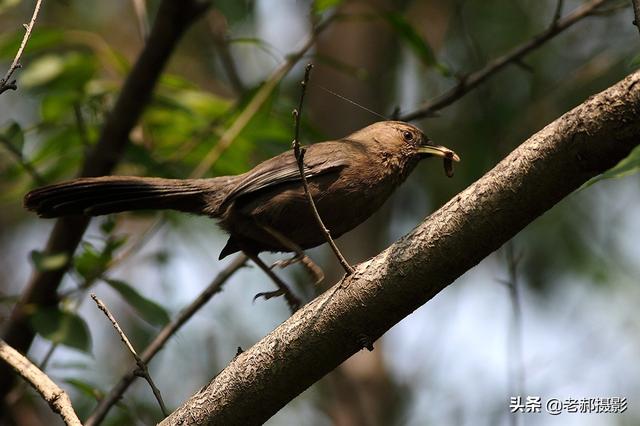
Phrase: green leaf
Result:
[86,388]
[90,263]
[42,71]
[419,46]
[43,38]
[14,135]
[320,6]
[48,262]
[62,327]
[627,166]
[7,4]
[149,310]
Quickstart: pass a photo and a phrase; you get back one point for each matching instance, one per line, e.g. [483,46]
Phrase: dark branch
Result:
[471,81]
[161,339]
[385,289]
[172,19]
[299,153]
[636,13]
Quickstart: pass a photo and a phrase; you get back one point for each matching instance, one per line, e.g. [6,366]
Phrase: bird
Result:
[265,209]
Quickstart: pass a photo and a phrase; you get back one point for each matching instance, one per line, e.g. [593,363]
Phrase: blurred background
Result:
[552,314]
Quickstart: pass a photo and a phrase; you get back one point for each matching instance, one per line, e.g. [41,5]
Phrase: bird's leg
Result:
[314,270]
[283,290]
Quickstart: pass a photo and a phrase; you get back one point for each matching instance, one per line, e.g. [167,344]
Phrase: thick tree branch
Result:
[533,178]
[173,18]
[57,399]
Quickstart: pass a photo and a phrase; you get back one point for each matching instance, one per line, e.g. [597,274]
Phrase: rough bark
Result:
[533,178]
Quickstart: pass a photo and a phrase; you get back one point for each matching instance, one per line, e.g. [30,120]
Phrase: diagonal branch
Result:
[57,398]
[471,81]
[172,19]
[142,369]
[385,289]
[161,339]
[6,83]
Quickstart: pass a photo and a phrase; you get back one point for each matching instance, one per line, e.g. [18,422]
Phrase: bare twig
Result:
[218,26]
[256,103]
[140,8]
[299,153]
[6,83]
[517,371]
[161,339]
[473,80]
[57,398]
[143,370]
[557,14]
[636,13]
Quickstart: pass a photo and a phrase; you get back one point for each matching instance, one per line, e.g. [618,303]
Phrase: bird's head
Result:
[403,140]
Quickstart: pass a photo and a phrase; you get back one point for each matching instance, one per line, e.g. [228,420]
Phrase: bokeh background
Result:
[552,314]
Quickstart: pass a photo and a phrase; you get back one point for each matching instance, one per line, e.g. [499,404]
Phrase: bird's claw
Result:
[314,270]
[268,294]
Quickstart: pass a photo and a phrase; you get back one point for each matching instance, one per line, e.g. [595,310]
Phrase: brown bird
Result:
[266,209]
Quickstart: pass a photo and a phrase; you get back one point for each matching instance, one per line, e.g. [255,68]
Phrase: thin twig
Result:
[142,370]
[473,80]
[219,29]
[6,83]
[140,8]
[299,153]
[57,398]
[517,372]
[557,14]
[26,165]
[636,13]
[256,103]
[161,339]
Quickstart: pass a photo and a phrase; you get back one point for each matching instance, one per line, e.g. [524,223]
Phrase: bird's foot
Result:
[312,268]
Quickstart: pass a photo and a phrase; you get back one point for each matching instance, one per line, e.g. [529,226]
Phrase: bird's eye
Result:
[407,135]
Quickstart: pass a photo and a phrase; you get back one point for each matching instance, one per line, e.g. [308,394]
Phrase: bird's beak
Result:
[438,151]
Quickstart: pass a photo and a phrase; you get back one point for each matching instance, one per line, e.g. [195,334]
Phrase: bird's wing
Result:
[284,168]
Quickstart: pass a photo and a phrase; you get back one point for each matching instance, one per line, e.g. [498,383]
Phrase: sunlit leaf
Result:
[42,71]
[7,4]
[50,262]
[149,310]
[320,6]
[62,327]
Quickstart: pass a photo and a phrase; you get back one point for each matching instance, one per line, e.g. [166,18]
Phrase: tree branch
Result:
[6,83]
[383,290]
[142,369]
[173,18]
[163,336]
[636,13]
[471,81]
[57,398]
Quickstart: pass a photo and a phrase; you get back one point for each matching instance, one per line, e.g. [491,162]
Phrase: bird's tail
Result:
[112,194]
